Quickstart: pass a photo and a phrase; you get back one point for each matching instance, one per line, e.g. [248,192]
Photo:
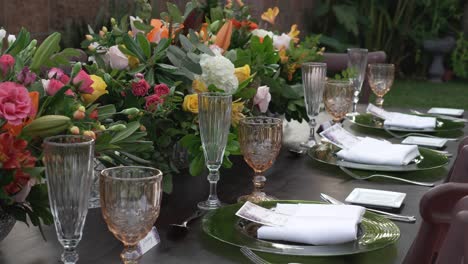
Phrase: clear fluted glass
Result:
[130,204]
[381,80]
[69,170]
[338,97]
[214,113]
[260,140]
[357,63]
[314,76]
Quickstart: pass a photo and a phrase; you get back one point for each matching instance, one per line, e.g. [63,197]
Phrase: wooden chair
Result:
[437,208]
[337,62]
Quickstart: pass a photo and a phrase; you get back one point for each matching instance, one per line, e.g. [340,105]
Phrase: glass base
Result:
[210,204]
[256,197]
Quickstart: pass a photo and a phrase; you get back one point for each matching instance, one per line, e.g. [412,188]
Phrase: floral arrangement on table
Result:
[159,65]
[44,93]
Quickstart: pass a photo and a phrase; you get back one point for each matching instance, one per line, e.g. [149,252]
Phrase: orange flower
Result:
[15,130]
[294,33]
[204,32]
[240,3]
[283,56]
[223,38]
[158,32]
[270,15]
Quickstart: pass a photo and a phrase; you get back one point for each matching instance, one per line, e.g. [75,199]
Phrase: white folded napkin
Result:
[316,224]
[410,121]
[379,152]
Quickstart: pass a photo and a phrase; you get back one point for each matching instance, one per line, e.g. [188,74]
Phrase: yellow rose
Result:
[133,62]
[242,73]
[99,86]
[199,86]
[190,103]
[237,114]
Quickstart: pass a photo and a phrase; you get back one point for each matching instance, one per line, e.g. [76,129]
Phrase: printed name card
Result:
[150,241]
[378,112]
[263,216]
[339,136]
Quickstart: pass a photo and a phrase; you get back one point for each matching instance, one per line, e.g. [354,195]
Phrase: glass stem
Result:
[213,178]
[69,255]
[130,254]
[312,125]
[379,101]
[258,183]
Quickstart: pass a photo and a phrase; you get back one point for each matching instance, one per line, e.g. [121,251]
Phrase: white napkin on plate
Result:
[410,121]
[316,224]
[379,152]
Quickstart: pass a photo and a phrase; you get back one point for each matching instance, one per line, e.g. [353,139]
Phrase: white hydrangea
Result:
[282,41]
[261,33]
[219,71]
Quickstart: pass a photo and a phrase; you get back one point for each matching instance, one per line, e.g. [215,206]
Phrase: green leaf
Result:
[347,16]
[131,127]
[167,183]
[246,93]
[45,50]
[132,46]
[150,77]
[142,26]
[106,111]
[144,44]
[186,44]
[197,165]
[174,12]
[216,13]
[21,42]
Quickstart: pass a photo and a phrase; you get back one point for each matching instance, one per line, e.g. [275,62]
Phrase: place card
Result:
[446,111]
[263,216]
[150,241]
[425,141]
[339,136]
[378,112]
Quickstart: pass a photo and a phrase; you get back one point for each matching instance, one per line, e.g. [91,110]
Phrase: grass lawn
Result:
[425,94]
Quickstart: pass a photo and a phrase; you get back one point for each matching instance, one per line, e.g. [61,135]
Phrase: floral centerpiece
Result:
[159,65]
[43,92]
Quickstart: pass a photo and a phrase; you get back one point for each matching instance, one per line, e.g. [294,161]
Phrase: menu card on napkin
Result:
[317,224]
[402,120]
[339,136]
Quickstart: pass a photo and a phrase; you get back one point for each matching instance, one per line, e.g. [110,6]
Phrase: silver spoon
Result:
[182,229]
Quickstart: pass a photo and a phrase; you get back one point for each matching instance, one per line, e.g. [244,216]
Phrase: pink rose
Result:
[26,77]
[83,82]
[152,102]
[58,74]
[262,98]
[52,86]
[161,89]
[140,87]
[117,60]
[15,103]
[6,64]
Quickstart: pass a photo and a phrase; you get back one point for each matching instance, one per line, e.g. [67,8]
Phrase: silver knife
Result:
[396,217]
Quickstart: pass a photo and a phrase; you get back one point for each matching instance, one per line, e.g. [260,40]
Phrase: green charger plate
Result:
[427,161]
[376,232]
[367,120]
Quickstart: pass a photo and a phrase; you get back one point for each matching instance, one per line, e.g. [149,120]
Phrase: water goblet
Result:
[313,78]
[260,140]
[214,113]
[380,80]
[357,62]
[130,204]
[69,170]
[338,97]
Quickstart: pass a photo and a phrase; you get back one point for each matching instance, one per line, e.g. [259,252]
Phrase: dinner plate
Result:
[376,198]
[367,120]
[375,232]
[428,160]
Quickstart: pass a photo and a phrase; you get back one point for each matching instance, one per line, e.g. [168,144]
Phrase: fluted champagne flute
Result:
[69,170]
[381,80]
[313,78]
[260,140]
[214,113]
[338,97]
[130,204]
[357,63]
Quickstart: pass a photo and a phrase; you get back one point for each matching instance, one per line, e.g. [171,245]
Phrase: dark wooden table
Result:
[291,177]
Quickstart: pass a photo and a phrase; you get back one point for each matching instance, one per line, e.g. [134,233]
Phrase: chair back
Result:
[337,62]
[437,208]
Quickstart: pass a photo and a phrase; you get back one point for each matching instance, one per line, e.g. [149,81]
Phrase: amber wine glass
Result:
[130,201]
[260,140]
[380,80]
[338,98]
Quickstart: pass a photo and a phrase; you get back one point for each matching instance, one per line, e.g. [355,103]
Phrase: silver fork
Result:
[252,256]
[357,177]
[417,134]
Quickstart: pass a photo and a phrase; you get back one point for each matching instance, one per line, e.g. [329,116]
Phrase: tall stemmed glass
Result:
[338,97]
[214,112]
[69,171]
[130,201]
[380,80]
[260,140]
[313,78]
[357,62]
